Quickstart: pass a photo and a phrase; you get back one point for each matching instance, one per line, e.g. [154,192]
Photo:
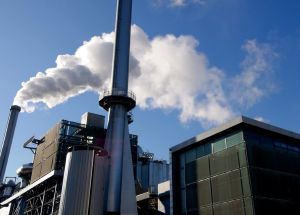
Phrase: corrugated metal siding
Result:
[98,184]
[77,183]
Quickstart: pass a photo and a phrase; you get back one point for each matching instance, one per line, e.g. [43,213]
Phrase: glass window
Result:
[183,201]
[190,172]
[182,160]
[234,139]
[191,197]
[280,144]
[251,137]
[190,155]
[182,178]
[208,148]
[293,148]
[203,150]
[219,145]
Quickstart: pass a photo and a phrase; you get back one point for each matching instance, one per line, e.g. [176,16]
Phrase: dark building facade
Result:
[244,167]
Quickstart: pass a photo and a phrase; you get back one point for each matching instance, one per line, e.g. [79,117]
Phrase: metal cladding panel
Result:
[46,153]
[38,155]
[98,184]
[77,183]
[92,119]
[52,136]
[48,165]
[36,172]
[49,150]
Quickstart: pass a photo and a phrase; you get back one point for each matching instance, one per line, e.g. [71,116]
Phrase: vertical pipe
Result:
[8,137]
[117,132]
[122,45]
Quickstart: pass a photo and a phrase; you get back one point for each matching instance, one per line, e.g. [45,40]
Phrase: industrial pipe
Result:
[8,137]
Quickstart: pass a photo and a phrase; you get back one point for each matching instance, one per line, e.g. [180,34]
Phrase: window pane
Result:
[190,172]
[207,148]
[234,139]
[182,160]
[190,155]
[219,145]
[191,197]
[251,137]
[182,178]
[201,151]
[183,201]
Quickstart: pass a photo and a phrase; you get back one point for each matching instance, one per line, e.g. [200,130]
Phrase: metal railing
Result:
[116,92]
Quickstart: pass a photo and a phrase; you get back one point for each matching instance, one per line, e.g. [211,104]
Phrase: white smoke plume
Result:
[166,72]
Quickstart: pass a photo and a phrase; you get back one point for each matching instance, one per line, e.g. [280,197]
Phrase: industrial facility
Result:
[243,167]
[68,160]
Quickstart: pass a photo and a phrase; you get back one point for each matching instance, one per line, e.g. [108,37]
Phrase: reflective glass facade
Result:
[242,171]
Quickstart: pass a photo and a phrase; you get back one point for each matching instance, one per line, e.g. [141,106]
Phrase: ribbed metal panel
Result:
[98,184]
[77,183]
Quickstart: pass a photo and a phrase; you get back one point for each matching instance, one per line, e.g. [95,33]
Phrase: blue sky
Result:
[195,64]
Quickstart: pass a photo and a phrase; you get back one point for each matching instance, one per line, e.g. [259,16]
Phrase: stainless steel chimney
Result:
[8,137]
[120,191]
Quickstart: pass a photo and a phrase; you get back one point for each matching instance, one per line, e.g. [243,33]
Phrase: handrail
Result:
[116,92]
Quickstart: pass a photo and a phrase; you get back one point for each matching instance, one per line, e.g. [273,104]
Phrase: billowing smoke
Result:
[166,72]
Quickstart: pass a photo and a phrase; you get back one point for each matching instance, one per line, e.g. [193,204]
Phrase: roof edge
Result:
[234,122]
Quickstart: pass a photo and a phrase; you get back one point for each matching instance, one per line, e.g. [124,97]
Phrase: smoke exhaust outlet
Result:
[8,138]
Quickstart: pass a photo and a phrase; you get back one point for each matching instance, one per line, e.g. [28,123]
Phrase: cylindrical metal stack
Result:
[81,191]
[120,193]
[8,137]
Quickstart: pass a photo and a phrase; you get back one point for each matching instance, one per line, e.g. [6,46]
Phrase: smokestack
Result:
[8,137]
[120,190]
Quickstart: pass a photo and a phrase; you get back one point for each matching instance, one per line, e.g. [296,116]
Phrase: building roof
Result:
[236,121]
[54,173]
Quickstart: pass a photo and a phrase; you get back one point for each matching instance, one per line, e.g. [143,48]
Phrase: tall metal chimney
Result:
[120,193]
[8,137]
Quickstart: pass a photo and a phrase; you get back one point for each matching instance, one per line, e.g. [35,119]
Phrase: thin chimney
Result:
[8,137]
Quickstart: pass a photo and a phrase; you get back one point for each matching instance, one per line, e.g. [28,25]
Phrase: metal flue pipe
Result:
[8,137]
[120,193]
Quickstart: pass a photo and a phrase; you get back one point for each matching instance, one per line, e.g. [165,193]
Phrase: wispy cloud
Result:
[166,72]
[255,79]
[179,3]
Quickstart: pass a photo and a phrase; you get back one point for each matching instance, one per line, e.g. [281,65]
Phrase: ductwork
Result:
[8,137]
